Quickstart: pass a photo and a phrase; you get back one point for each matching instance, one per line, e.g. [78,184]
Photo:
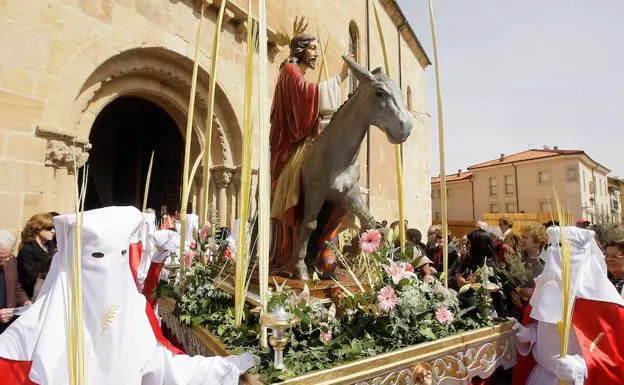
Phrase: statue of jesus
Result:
[297,117]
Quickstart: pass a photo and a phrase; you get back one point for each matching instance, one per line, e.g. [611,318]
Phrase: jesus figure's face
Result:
[310,54]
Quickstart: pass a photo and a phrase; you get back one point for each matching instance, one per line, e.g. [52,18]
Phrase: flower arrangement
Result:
[397,309]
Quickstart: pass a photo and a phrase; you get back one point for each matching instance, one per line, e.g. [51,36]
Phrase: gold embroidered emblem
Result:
[110,316]
[595,343]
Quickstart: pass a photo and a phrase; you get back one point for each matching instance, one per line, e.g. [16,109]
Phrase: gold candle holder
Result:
[279,321]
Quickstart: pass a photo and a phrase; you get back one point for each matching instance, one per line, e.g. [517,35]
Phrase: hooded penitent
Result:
[120,345]
[597,315]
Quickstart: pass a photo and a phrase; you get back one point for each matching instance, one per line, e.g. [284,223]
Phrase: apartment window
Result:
[510,208]
[435,194]
[572,174]
[410,106]
[437,216]
[509,184]
[544,207]
[543,176]
[448,192]
[584,182]
[494,208]
[592,186]
[493,186]
[601,188]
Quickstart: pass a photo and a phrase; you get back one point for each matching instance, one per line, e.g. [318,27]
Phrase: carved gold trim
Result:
[451,360]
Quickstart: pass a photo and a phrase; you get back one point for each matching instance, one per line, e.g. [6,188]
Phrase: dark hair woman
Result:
[480,253]
[33,258]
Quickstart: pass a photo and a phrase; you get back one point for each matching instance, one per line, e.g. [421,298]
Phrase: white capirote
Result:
[120,345]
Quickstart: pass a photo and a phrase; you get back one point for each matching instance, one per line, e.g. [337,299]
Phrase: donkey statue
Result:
[331,169]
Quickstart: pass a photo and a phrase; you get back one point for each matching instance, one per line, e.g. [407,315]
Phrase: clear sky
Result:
[525,73]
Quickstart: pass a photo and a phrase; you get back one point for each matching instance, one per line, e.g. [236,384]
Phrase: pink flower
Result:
[193,245]
[408,267]
[397,273]
[444,316]
[370,241]
[189,255]
[205,231]
[387,299]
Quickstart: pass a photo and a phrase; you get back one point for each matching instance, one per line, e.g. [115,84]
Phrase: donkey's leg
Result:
[312,207]
[353,201]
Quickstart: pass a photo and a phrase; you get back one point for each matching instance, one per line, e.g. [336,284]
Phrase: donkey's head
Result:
[382,99]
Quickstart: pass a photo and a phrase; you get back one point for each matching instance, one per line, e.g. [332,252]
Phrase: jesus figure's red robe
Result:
[294,123]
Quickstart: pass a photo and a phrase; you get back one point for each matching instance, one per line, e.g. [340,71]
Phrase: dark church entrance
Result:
[123,138]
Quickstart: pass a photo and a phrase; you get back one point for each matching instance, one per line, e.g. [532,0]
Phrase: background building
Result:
[524,182]
[615,200]
[459,191]
[109,80]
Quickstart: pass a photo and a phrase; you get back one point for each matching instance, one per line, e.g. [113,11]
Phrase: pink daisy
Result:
[370,241]
[387,299]
[444,316]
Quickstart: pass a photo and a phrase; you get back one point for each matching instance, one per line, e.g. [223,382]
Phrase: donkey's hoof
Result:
[302,273]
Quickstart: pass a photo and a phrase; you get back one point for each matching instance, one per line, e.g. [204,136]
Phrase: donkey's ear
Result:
[377,71]
[361,73]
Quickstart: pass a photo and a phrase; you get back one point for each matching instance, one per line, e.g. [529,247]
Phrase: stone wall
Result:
[63,61]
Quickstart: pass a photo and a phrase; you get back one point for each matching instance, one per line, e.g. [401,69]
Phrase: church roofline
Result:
[404,27]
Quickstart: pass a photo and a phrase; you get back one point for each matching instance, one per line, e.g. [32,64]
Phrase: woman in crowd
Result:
[514,241]
[501,249]
[614,257]
[434,249]
[415,236]
[11,292]
[33,259]
[533,242]
[481,252]
[462,252]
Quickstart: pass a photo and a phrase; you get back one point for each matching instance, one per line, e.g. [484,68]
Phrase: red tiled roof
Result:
[453,177]
[525,156]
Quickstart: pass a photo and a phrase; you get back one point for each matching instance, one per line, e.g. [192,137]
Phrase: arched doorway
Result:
[123,137]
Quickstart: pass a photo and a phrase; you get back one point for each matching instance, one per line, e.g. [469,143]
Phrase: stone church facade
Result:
[106,82]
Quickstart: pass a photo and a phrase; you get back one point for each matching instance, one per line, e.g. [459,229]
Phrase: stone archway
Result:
[122,138]
[163,78]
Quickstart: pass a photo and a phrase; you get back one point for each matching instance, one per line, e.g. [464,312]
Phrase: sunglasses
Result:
[48,229]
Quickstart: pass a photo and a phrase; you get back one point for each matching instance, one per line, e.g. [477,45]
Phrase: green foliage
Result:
[514,271]
[360,326]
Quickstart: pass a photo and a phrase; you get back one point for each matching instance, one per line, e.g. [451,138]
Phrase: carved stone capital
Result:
[64,150]
[223,175]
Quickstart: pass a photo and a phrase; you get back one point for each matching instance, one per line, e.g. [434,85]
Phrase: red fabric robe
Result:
[597,327]
[294,116]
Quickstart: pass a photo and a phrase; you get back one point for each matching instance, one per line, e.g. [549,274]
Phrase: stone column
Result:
[222,177]
[237,186]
